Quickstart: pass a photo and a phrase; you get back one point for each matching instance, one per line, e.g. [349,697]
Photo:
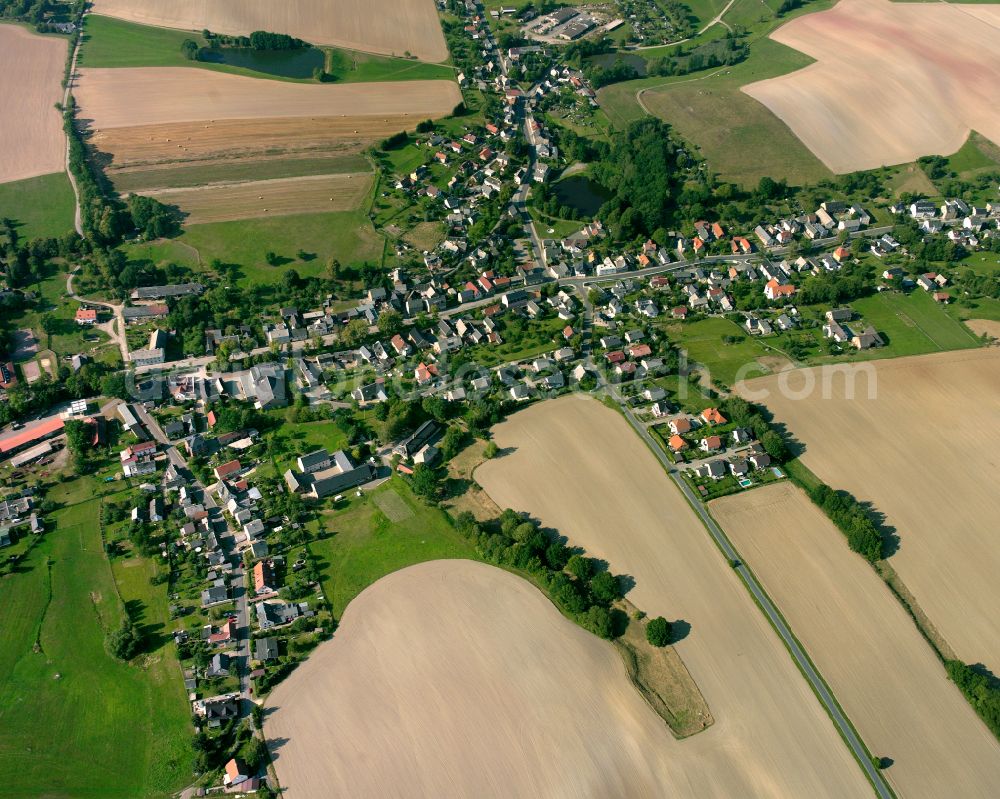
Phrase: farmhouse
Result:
[340,475]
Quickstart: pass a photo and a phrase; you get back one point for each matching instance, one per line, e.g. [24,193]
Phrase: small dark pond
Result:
[283,63]
[581,193]
[607,60]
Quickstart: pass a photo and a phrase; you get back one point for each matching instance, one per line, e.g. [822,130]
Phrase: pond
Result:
[283,63]
[581,193]
[607,60]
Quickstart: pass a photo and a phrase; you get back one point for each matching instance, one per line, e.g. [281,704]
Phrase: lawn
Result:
[912,324]
[350,66]
[299,439]
[366,544]
[74,722]
[704,345]
[345,235]
[43,206]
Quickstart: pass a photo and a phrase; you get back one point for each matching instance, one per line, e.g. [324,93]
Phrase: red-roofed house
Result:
[676,443]
[712,416]
[717,230]
[615,357]
[227,469]
[236,773]
[86,316]
[263,578]
[425,373]
[640,350]
[211,418]
[841,254]
[774,290]
[680,425]
[30,435]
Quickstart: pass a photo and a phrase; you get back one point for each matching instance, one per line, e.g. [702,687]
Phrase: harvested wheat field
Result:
[457,679]
[925,453]
[32,142]
[984,327]
[578,467]
[892,81]
[116,98]
[388,27]
[224,202]
[884,673]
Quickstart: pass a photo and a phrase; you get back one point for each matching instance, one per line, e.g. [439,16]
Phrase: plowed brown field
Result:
[892,81]
[116,98]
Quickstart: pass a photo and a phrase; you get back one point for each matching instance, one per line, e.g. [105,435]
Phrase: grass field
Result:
[912,324]
[112,42]
[366,545]
[740,139]
[704,345]
[74,722]
[178,175]
[42,206]
[348,236]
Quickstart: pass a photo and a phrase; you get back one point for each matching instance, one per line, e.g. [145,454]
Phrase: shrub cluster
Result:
[853,520]
[569,577]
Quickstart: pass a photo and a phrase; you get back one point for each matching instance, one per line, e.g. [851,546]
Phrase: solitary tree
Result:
[658,631]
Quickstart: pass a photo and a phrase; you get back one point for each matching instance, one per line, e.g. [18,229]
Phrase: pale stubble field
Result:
[390,27]
[31,135]
[456,679]
[579,468]
[881,669]
[925,453]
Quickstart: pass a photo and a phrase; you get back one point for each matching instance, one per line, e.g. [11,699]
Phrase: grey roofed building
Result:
[426,434]
[266,384]
[174,429]
[259,548]
[325,486]
[266,648]
[272,613]
[219,666]
[314,461]
[214,595]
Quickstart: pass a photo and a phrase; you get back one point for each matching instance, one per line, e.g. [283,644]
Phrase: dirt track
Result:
[390,27]
[31,135]
[455,679]
[578,467]
[115,98]
[925,454]
[893,81]
[883,672]
[267,198]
